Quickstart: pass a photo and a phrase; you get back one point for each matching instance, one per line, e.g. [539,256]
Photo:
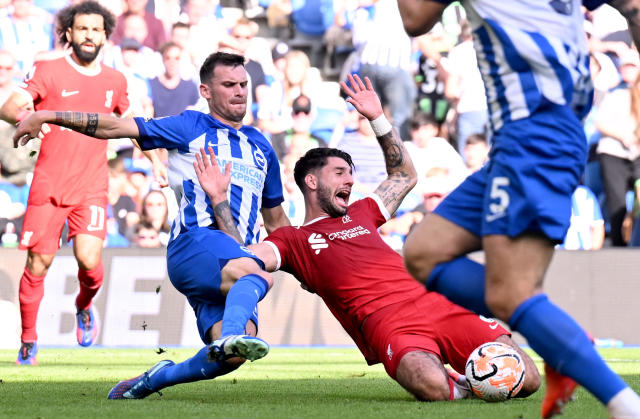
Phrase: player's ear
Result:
[311,181]
[67,34]
[205,92]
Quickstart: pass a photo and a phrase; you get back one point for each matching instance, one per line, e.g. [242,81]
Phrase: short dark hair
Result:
[168,45]
[314,159]
[180,25]
[216,59]
[66,17]
[476,138]
[421,118]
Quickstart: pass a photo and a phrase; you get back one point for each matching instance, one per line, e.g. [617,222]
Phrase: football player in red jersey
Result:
[70,178]
[339,255]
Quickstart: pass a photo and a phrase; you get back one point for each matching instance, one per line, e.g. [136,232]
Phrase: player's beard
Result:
[85,57]
[325,200]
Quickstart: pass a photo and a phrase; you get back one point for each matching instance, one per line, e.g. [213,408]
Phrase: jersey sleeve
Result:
[272,195]
[168,132]
[35,82]
[122,104]
[278,242]
[375,209]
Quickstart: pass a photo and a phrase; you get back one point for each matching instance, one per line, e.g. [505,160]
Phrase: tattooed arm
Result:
[401,175]
[97,125]
[630,9]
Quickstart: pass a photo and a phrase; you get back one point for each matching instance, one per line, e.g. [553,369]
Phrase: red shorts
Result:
[430,324]
[43,223]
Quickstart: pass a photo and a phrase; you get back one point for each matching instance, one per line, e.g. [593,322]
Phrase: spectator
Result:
[16,164]
[386,60]
[298,139]
[431,75]
[427,151]
[121,207]
[239,42]
[618,150]
[206,29]
[274,115]
[476,151]
[312,18]
[631,224]
[133,68]
[154,213]
[464,86]
[25,33]
[171,94]
[13,201]
[156,34]
[146,236]
[586,231]
[180,35]
[168,11]
[135,27]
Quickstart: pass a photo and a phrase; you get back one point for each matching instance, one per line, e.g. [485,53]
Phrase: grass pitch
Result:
[288,383]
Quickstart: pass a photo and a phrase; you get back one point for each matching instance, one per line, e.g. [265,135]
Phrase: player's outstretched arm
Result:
[97,125]
[401,175]
[215,184]
[419,16]
[630,9]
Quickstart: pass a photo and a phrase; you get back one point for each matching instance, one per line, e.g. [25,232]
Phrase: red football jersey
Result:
[72,166]
[346,262]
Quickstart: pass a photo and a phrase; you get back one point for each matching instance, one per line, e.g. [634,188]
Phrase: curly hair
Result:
[66,17]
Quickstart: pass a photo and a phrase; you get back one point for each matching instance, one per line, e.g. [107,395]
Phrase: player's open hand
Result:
[213,181]
[362,96]
[29,128]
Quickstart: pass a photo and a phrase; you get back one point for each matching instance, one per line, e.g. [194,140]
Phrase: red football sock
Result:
[90,283]
[30,294]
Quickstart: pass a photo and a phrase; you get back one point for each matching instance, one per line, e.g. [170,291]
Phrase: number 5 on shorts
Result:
[498,192]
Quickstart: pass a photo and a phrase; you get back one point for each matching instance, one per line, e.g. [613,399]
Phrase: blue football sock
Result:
[564,345]
[462,282]
[195,368]
[241,301]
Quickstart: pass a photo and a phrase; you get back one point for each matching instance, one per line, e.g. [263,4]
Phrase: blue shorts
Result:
[195,260]
[535,165]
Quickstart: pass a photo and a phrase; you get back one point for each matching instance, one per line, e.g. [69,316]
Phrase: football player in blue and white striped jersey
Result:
[222,280]
[533,58]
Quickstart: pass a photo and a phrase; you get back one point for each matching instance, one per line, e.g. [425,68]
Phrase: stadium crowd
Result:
[297,51]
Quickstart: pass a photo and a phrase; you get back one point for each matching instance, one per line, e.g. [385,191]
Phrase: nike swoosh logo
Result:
[71,93]
[493,326]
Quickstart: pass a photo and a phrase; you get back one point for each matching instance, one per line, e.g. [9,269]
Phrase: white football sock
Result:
[624,405]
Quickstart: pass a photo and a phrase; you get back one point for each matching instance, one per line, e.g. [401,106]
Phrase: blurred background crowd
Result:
[296,52]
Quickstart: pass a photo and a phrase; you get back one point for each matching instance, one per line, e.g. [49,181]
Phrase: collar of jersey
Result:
[82,70]
[316,219]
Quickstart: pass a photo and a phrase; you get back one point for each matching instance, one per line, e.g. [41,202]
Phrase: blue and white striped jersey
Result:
[530,53]
[255,172]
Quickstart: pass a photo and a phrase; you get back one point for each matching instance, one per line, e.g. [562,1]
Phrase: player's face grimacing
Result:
[334,187]
[86,36]
[228,90]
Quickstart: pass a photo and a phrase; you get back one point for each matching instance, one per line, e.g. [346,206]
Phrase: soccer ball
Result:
[495,372]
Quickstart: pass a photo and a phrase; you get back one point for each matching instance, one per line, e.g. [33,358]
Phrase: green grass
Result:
[289,382]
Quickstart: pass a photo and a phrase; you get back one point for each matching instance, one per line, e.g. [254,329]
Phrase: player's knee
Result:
[88,261]
[417,260]
[532,382]
[38,264]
